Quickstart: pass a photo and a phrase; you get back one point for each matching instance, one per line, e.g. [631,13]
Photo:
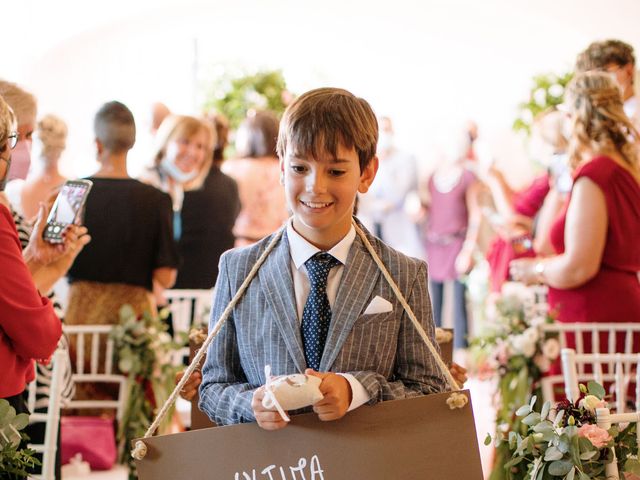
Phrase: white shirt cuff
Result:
[359,394]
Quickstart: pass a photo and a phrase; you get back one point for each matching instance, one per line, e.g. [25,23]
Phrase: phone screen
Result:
[68,203]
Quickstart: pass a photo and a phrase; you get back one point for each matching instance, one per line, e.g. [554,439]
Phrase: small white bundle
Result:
[290,392]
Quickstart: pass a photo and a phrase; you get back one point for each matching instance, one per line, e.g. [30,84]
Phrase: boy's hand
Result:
[190,388]
[459,373]
[337,395]
[267,419]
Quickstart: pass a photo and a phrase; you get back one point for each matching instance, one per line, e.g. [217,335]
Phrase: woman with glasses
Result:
[29,327]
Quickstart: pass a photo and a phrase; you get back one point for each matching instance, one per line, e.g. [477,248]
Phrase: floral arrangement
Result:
[513,349]
[547,91]
[565,442]
[16,461]
[234,94]
[143,351]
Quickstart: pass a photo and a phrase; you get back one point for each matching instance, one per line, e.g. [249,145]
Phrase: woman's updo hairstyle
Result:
[599,122]
[51,133]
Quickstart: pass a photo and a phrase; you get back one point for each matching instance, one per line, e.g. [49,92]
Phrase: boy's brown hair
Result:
[322,119]
[599,55]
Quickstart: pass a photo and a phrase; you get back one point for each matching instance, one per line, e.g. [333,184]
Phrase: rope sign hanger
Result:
[455,400]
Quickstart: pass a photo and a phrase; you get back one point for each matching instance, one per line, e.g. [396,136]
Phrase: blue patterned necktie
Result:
[316,315]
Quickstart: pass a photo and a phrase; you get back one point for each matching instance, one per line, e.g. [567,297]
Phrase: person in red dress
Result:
[29,328]
[593,277]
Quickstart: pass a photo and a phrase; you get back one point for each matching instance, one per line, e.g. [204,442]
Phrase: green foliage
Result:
[512,348]
[16,461]
[555,443]
[143,351]
[547,91]
[235,96]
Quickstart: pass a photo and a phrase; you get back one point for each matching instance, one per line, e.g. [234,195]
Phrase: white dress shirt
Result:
[301,251]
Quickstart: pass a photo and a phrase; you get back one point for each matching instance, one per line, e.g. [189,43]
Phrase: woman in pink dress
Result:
[450,234]
[593,277]
[257,173]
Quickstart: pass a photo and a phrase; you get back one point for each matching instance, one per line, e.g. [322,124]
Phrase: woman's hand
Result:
[524,270]
[48,262]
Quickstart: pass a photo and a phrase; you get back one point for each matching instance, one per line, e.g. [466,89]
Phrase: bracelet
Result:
[539,268]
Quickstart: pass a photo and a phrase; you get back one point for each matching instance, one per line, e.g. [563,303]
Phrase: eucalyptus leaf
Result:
[596,389]
[487,439]
[571,474]
[552,454]
[532,402]
[20,421]
[583,476]
[543,427]
[532,419]
[4,408]
[523,410]
[588,455]
[545,410]
[560,468]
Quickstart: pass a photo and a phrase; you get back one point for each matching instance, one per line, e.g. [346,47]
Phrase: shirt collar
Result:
[302,250]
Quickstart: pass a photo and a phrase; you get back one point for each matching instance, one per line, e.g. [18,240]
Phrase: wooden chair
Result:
[620,369]
[52,393]
[582,334]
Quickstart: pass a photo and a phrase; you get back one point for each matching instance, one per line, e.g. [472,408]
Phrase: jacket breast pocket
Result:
[372,343]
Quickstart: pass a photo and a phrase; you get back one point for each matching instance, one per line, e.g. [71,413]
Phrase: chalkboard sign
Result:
[200,420]
[418,438]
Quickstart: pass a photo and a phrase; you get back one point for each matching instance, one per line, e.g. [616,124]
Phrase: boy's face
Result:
[321,192]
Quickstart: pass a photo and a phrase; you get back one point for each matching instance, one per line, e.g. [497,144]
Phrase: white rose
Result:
[551,349]
[522,344]
[537,321]
[532,334]
[591,402]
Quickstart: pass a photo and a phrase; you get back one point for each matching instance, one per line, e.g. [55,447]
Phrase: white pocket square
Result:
[378,305]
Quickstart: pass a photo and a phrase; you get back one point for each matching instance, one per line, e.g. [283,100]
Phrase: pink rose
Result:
[599,437]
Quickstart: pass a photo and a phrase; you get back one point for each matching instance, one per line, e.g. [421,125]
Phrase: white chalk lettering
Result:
[300,468]
[246,476]
[304,470]
[268,471]
[316,469]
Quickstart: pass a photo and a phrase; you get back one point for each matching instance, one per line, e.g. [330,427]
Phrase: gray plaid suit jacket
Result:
[383,351]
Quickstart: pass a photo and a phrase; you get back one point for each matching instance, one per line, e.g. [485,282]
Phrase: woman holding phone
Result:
[29,327]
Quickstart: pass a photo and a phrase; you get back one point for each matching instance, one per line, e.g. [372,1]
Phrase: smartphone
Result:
[67,209]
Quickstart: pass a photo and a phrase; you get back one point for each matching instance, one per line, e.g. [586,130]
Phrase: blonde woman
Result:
[593,276]
[50,141]
[181,160]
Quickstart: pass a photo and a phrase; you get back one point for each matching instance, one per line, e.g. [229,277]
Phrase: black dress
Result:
[208,216]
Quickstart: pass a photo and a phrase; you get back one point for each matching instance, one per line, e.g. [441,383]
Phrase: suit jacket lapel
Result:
[358,280]
[277,284]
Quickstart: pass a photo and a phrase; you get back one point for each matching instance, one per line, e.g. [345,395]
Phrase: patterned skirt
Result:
[93,303]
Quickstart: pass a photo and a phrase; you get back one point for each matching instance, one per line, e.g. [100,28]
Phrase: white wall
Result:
[428,64]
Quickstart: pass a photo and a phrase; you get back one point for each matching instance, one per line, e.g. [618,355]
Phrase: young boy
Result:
[333,316]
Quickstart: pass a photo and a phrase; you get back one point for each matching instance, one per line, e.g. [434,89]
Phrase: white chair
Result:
[101,370]
[582,333]
[187,307]
[621,368]
[52,390]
